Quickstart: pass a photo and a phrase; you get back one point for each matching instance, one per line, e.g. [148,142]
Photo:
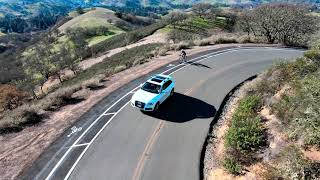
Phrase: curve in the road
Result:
[165,145]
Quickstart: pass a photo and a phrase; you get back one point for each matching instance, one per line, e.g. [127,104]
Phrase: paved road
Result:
[167,145]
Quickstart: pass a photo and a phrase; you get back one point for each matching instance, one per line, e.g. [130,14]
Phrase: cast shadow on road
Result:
[198,65]
[181,108]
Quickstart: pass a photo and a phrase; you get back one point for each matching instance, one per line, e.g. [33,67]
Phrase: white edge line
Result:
[91,125]
[82,154]
[84,151]
[213,54]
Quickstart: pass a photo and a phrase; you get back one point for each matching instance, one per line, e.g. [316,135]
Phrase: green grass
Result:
[197,24]
[94,18]
[97,39]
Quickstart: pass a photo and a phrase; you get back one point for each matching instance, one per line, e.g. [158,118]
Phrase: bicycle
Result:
[182,59]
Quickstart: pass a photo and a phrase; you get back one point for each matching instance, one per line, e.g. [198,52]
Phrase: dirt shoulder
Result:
[20,150]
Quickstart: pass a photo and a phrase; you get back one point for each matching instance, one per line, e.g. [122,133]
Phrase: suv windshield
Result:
[153,88]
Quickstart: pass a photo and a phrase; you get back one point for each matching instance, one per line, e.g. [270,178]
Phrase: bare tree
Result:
[202,9]
[282,23]
[245,22]
[174,17]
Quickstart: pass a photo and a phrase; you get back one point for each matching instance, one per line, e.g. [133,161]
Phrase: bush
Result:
[312,54]
[300,112]
[247,108]
[16,120]
[202,42]
[232,166]
[178,35]
[246,135]
[225,40]
[181,45]
[10,97]
[291,162]
[246,39]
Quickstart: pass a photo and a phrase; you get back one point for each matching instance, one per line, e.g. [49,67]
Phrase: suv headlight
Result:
[150,104]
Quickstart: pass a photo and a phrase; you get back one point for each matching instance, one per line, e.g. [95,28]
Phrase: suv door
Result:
[166,90]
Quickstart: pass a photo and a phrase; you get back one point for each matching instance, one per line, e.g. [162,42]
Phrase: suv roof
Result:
[159,79]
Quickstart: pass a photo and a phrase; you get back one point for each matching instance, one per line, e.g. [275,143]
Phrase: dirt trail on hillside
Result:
[157,37]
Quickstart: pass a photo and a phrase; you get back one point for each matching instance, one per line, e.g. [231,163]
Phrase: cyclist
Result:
[183,56]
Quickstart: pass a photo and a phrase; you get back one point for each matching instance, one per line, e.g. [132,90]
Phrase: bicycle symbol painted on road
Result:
[74,129]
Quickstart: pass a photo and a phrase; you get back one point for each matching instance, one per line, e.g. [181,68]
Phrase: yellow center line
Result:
[160,125]
[155,136]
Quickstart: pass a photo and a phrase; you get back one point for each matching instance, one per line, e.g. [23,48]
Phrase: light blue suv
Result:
[153,93]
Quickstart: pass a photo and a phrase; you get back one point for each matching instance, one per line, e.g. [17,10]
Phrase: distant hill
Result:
[94,18]
[32,15]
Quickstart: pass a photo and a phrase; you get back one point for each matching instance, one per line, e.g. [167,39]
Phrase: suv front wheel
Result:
[172,92]
[156,107]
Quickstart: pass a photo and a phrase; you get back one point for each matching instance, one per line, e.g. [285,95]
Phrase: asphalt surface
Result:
[166,145]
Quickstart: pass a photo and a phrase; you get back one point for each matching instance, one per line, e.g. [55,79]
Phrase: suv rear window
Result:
[156,80]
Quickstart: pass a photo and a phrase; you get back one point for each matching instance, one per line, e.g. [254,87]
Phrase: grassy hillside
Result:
[94,18]
[99,17]
[277,117]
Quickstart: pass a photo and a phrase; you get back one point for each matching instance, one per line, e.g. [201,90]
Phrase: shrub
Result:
[225,40]
[181,45]
[312,54]
[179,35]
[10,97]
[16,120]
[162,51]
[291,162]
[202,42]
[245,135]
[301,111]
[232,166]
[245,39]
[247,108]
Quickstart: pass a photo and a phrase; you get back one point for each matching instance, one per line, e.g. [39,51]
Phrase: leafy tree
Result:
[118,14]
[67,60]
[80,10]
[78,37]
